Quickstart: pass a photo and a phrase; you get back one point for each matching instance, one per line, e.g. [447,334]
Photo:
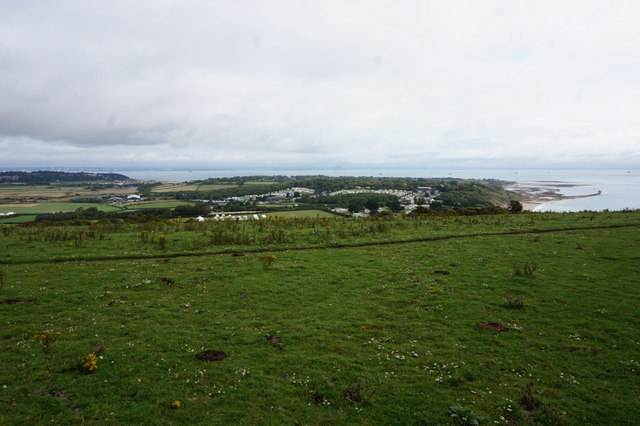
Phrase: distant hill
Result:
[44,177]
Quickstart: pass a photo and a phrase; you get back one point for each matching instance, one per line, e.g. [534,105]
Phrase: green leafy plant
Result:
[464,416]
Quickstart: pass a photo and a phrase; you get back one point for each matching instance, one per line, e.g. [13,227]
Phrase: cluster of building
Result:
[421,196]
[234,217]
[129,199]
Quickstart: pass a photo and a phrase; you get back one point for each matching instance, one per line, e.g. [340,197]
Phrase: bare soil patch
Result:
[492,325]
[17,300]
[211,355]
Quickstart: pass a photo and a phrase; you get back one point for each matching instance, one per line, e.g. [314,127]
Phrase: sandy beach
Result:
[534,194]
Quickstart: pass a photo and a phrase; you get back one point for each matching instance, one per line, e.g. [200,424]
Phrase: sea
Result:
[618,189]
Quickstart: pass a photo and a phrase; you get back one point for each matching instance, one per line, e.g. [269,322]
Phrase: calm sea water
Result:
[620,189]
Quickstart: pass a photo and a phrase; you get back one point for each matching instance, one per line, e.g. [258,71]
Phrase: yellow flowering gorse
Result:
[90,364]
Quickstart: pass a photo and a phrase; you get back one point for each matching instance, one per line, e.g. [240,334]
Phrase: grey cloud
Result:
[376,82]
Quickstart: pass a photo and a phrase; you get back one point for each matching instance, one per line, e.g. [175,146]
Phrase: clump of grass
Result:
[162,241]
[514,303]
[527,400]
[3,272]
[360,392]
[525,269]
[267,260]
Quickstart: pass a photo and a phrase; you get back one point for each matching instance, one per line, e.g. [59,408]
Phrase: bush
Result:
[515,206]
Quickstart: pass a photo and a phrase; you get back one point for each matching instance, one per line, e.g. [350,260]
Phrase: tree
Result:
[355,205]
[395,205]
[372,204]
[515,206]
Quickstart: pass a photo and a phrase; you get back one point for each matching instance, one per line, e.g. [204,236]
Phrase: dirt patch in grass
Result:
[211,355]
[276,341]
[492,325]
[17,300]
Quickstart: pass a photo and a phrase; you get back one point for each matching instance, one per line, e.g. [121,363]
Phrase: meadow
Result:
[176,187]
[55,192]
[54,207]
[323,320]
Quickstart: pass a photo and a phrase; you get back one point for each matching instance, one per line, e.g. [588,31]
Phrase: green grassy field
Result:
[259,182]
[176,187]
[18,219]
[54,207]
[301,214]
[371,321]
[52,192]
[141,205]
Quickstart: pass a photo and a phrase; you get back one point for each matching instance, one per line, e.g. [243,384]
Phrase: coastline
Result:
[536,194]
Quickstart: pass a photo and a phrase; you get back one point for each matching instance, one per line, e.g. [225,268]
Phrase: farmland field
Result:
[52,207]
[175,187]
[259,182]
[301,213]
[18,219]
[324,320]
[18,192]
[141,205]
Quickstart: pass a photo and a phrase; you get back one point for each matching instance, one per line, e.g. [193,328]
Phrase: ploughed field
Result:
[523,318]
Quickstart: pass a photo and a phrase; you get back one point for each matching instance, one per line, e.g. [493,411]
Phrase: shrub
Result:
[515,206]
[90,363]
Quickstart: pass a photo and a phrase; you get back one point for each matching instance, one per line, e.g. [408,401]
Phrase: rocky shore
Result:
[535,194]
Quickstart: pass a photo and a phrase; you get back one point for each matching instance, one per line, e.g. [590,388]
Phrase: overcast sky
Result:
[319,83]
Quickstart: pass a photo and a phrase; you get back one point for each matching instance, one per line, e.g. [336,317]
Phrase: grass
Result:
[141,205]
[176,187]
[53,207]
[301,214]
[213,187]
[365,334]
[171,187]
[18,219]
[16,192]
[259,182]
